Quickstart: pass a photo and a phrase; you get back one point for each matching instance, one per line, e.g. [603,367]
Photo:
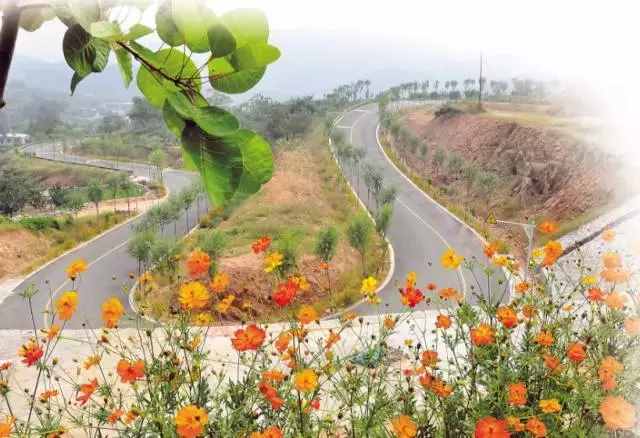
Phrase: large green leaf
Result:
[221,40]
[175,123]
[193,19]
[214,159]
[137,31]
[247,26]
[102,51]
[125,65]
[215,121]
[172,63]
[224,77]
[75,80]
[254,55]
[165,25]
[257,158]
[106,30]
[78,50]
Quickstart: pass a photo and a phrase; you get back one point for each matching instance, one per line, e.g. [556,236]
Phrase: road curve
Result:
[420,230]
[109,262]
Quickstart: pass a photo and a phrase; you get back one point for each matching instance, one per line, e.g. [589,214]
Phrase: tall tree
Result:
[95,195]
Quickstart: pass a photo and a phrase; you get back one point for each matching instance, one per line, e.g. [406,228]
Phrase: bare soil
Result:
[19,249]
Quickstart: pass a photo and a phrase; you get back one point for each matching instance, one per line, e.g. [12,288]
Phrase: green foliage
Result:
[139,247]
[39,223]
[359,235]
[95,193]
[74,202]
[326,244]
[234,163]
[16,190]
[383,218]
[165,254]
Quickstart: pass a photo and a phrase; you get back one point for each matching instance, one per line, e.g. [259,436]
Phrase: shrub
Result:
[39,223]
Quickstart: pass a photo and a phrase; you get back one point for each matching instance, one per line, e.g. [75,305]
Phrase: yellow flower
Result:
[411,279]
[501,260]
[369,286]
[608,235]
[550,406]
[223,306]
[301,281]
[67,305]
[272,261]
[589,280]
[450,259]
[52,332]
[203,319]
[220,282]
[537,255]
[112,311]
[307,314]
[305,380]
[76,268]
[193,295]
[91,361]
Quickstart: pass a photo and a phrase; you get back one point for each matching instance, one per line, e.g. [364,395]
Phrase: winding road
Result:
[107,257]
[420,231]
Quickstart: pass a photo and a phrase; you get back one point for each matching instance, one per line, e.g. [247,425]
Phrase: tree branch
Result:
[10,22]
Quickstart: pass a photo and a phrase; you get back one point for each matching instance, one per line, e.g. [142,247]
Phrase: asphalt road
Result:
[109,263]
[420,230]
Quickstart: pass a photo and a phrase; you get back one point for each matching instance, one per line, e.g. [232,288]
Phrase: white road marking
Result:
[342,127]
[361,111]
[57,291]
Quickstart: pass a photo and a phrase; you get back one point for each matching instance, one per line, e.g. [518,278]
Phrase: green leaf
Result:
[124,63]
[166,26]
[78,50]
[224,77]
[181,104]
[247,26]
[213,159]
[146,54]
[172,63]
[193,18]
[137,31]
[221,40]
[246,187]
[257,157]
[75,80]
[215,121]
[102,51]
[175,123]
[106,30]
[254,55]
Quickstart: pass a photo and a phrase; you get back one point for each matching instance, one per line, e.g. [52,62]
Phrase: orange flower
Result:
[48,394]
[595,294]
[112,311]
[129,372]
[271,394]
[220,282]
[483,334]
[552,251]
[450,293]
[193,295]
[550,406]
[285,293]
[76,268]
[404,427]
[224,305]
[576,352]
[91,361]
[615,300]
[429,358]
[440,388]
[443,321]
[515,424]
[517,394]
[282,342]
[632,326]
[544,339]
[66,305]
[269,432]
[491,427]
[547,227]
[250,338]
[608,371]
[52,331]
[432,286]
[450,259]
[611,260]
[307,314]
[198,263]
[551,362]
[261,245]
[507,316]
[529,311]
[490,250]
[115,416]
[536,427]
[273,375]
[132,414]
[617,413]
[608,235]
[522,287]
[31,352]
[6,426]
[411,296]
[332,339]
[389,323]
[190,421]
[615,275]
[86,390]
[305,380]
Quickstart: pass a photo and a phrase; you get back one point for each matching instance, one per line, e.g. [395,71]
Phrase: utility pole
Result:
[480,84]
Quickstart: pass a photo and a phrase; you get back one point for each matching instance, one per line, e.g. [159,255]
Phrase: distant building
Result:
[14,139]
